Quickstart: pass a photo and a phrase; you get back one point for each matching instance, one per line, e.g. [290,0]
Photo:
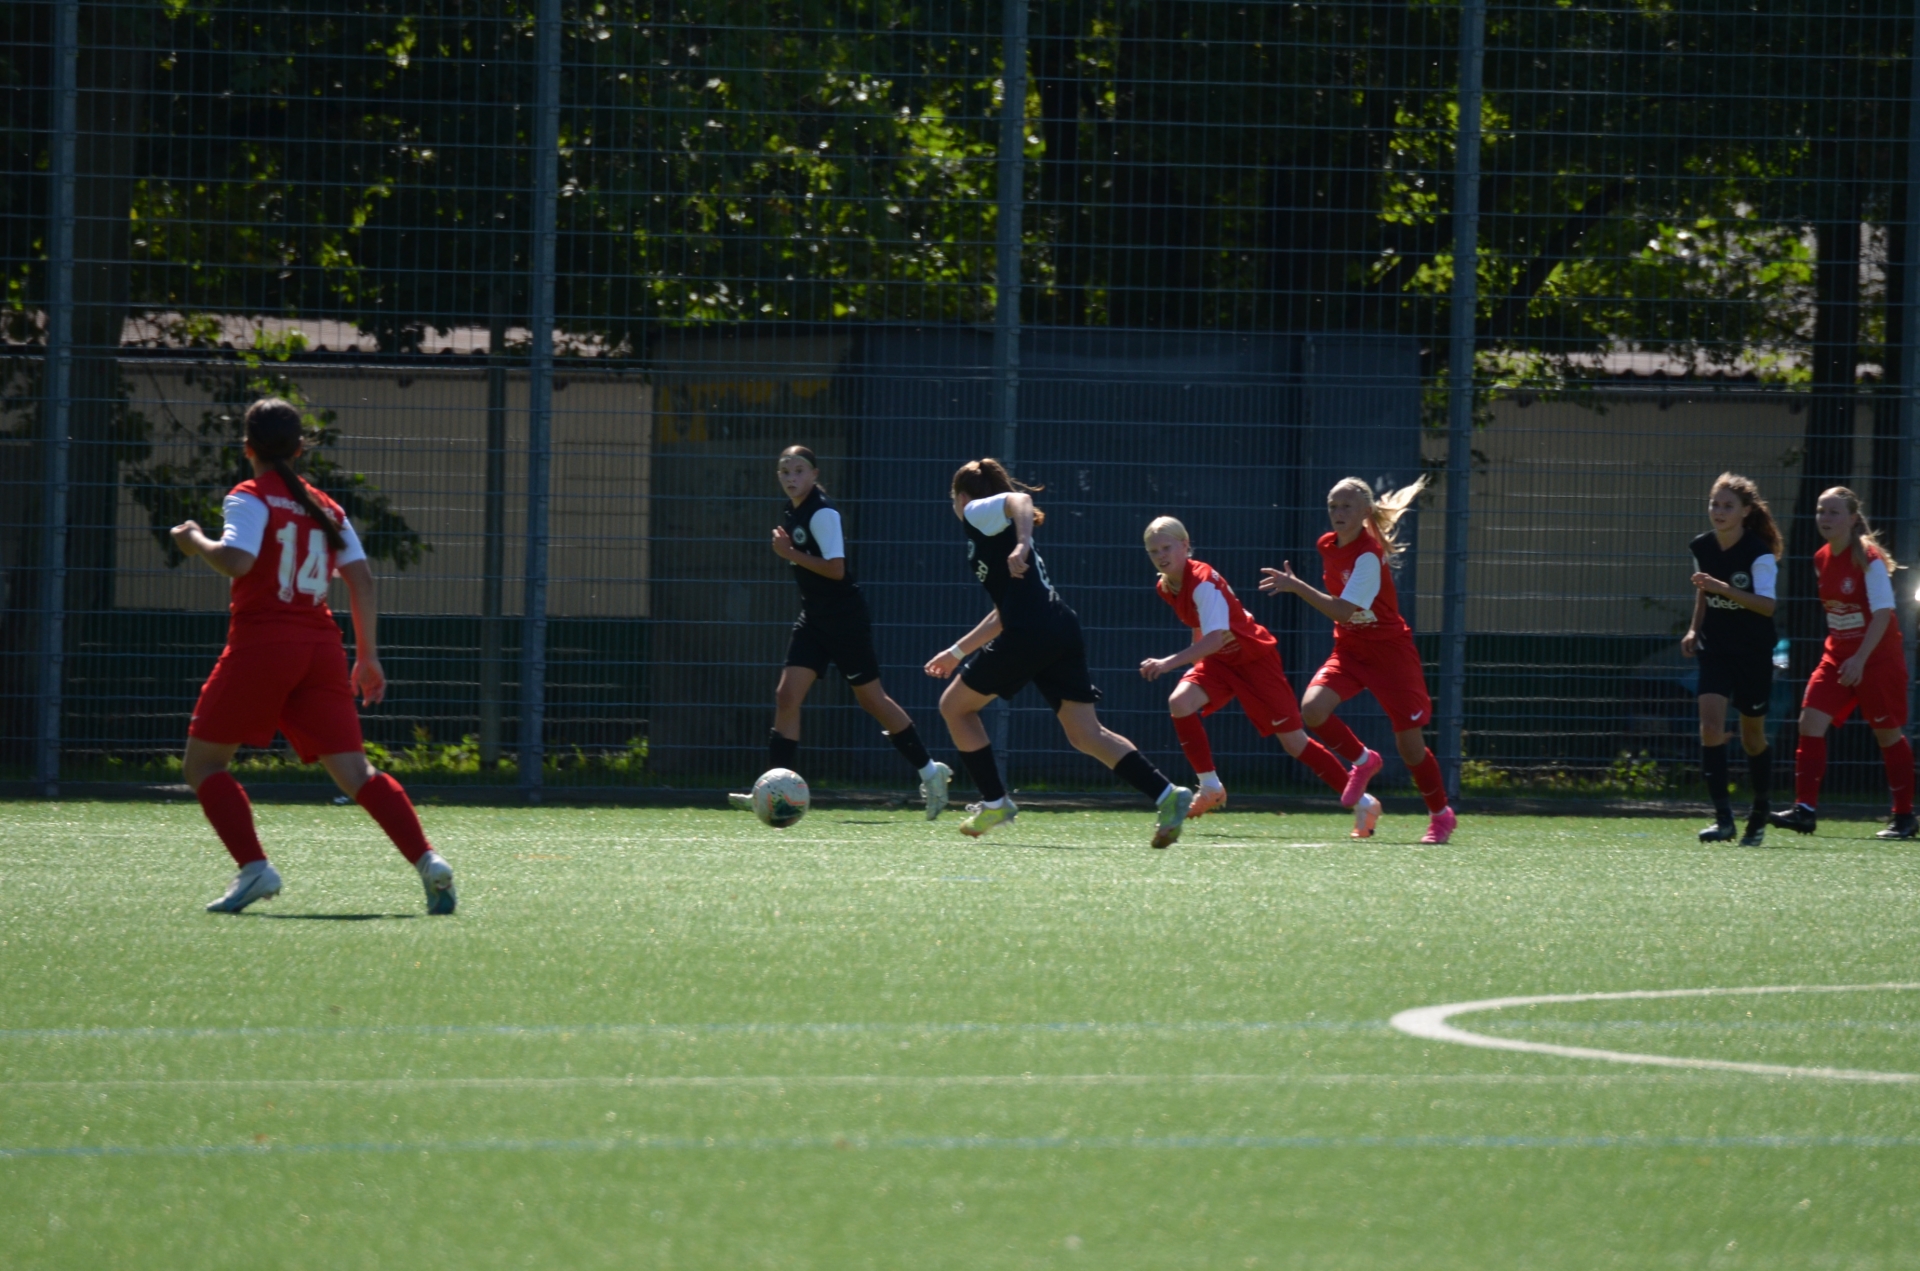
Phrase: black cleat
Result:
[1719,831]
[1801,819]
[1903,826]
[1756,835]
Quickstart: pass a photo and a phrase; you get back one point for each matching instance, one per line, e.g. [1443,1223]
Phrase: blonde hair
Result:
[1861,534]
[1383,511]
[1758,520]
[1168,526]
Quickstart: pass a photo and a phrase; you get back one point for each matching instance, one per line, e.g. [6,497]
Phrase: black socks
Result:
[1760,772]
[912,749]
[1138,771]
[782,752]
[1713,765]
[985,773]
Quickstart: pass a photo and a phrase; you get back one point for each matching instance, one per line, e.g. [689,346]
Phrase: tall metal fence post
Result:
[1011,193]
[1460,371]
[494,540]
[57,406]
[1910,354]
[546,181]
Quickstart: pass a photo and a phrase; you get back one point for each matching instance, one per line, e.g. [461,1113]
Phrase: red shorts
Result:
[1261,685]
[298,688]
[1881,694]
[1390,670]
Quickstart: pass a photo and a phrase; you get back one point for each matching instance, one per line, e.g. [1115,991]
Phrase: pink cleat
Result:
[1206,799]
[1366,815]
[1440,829]
[1370,763]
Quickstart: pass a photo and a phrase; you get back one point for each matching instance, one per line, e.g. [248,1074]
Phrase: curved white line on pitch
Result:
[1430,1023]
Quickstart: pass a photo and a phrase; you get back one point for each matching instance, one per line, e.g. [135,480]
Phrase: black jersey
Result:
[819,593]
[1025,603]
[1728,629]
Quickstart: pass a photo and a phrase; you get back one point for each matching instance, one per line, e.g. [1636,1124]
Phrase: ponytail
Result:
[984,478]
[1758,520]
[1383,512]
[273,430]
[1860,534]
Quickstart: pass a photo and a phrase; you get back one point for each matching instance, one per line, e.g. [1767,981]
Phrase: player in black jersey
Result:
[833,627]
[1030,637]
[1736,573]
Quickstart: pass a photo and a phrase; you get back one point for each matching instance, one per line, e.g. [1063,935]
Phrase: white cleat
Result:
[1366,815]
[437,877]
[934,791]
[740,802]
[258,881]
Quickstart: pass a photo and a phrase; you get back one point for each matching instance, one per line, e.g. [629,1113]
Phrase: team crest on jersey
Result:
[800,535]
[1743,581]
[1846,586]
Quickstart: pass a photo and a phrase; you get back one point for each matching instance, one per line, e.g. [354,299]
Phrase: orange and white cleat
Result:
[1366,815]
[1206,799]
[1440,829]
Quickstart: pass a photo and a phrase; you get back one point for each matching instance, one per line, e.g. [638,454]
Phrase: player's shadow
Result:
[329,917]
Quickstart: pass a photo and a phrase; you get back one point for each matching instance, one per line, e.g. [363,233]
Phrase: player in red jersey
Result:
[1231,656]
[284,667]
[1861,667]
[1372,648]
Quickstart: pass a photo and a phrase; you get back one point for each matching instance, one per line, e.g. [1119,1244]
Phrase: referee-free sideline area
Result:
[675,1038]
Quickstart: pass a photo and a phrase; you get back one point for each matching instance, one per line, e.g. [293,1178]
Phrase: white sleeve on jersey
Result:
[352,551]
[1879,587]
[1212,608]
[827,534]
[246,518]
[1364,586]
[1766,577]
[989,515]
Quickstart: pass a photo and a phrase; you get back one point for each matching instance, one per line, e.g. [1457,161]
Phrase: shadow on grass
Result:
[328,917]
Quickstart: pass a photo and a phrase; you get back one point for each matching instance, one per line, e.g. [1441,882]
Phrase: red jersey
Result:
[1851,596]
[1379,615]
[284,596]
[1205,603]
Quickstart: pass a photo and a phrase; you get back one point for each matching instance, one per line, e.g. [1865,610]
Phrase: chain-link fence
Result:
[555,283]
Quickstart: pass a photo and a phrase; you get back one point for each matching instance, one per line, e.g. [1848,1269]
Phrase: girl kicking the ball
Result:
[1231,656]
[1030,637]
[833,627]
[1861,667]
[1372,649]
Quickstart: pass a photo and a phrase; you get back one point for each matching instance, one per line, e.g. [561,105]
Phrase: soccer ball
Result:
[780,797]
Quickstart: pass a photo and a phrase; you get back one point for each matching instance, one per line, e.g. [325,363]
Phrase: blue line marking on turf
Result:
[954,1143]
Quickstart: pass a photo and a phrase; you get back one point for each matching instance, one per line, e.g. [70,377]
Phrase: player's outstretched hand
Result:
[1017,560]
[1279,581]
[184,535]
[1153,668]
[369,680]
[942,664]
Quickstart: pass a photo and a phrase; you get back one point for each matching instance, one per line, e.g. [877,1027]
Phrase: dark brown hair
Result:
[274,433]
[984,478]
[805,452]
[1759,518]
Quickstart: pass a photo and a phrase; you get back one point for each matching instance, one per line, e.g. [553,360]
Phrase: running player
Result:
[1372,649]
[1736,573]
[1031,636]
[284,666]
[833,626]
[1862,665]
[1231,656]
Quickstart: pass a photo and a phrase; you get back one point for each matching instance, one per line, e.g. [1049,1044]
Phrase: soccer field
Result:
[667,1038]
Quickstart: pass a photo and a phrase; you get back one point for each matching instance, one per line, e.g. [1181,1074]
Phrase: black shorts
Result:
[1744,679]
[1053,660]
[846,640]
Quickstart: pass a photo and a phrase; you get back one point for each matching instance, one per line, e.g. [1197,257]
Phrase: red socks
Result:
[387,803]
[1324,765]
[1810,767]
[225,802]
[1193,740]
[1899,760]
[1426,775]
[1340,739]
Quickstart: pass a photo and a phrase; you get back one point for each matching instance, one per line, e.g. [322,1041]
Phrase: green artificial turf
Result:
[661,1038]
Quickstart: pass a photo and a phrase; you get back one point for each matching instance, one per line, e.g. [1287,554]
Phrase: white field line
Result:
[1430,1023]
[874,1080]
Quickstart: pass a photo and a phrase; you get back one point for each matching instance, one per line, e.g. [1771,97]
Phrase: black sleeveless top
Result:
[1727,629]
[1028,603]
[818,593]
